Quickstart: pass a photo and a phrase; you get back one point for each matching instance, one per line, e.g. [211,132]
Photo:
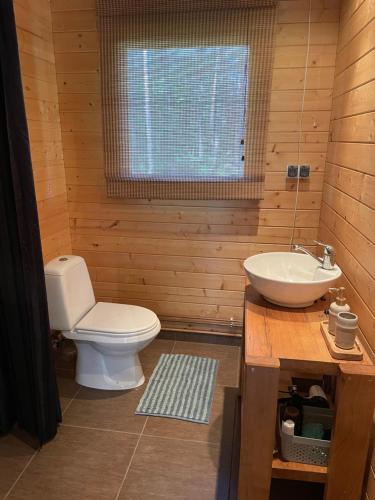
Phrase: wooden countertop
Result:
[291,336]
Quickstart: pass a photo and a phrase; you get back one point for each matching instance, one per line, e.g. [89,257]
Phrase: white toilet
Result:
[108,336]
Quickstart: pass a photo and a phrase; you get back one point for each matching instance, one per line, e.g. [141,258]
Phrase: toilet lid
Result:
[117,319]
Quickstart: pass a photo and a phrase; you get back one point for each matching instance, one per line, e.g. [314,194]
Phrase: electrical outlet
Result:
[304,171]
[292,171]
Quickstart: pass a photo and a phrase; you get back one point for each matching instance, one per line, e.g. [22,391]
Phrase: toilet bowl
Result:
[108,339]
[108,336]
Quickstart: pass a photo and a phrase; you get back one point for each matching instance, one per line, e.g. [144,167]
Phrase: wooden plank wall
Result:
[184,259]
[34,31]
[348,207]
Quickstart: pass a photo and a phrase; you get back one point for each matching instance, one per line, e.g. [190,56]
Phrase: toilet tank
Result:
[69,291]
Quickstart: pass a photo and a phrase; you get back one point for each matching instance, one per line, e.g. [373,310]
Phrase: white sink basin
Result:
[289,279]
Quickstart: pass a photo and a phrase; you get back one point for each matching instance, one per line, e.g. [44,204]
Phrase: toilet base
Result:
[99,366]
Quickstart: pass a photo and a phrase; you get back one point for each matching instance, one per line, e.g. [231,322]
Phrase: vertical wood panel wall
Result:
[34,31]
[184,259]
[348,207]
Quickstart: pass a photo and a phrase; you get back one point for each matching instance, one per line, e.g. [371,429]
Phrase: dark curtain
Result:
[28,390]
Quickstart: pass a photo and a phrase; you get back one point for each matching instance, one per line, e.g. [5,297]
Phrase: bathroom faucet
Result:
[328,259]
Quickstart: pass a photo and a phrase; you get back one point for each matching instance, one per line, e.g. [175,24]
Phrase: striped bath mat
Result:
[180,387]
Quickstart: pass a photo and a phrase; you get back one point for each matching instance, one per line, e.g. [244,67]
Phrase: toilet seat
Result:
[117,321]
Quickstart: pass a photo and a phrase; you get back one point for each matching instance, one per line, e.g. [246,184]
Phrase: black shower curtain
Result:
[28,391]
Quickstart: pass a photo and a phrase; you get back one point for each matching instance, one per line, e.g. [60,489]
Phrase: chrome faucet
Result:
[328,259]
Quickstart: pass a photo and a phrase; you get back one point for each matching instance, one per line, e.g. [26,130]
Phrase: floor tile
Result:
[150,356]
[111,410]
[107,409]
[78,464]
[211,338]
[228,357]
[65,358]
[67,388]
[219,429]
[14,455]
[167,334]
[66,355]
[176,469]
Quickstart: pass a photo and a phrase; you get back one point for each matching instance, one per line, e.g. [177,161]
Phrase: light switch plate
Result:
[304,171]
[292,171]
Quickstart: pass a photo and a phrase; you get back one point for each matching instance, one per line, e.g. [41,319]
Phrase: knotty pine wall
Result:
[184,259]
[37,58]
[348,207]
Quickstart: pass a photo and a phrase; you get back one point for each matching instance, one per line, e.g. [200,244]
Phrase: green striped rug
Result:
[182,387]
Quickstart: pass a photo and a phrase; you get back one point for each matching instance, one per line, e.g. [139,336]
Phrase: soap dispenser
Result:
[339,305]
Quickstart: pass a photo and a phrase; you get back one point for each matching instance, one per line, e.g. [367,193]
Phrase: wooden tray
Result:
[354,354]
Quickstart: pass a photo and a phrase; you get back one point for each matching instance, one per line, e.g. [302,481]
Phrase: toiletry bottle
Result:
[294,414]
[287,427]
[339,305]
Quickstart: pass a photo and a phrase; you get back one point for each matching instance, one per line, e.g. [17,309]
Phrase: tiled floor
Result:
[104,451]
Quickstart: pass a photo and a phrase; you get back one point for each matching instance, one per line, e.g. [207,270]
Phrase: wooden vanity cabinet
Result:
[278,339]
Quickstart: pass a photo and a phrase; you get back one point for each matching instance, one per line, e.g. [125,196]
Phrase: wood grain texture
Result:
[292,336]
[351,436]
[290,340]
[348,209]
[192,249]
[296,471]
[259,391]
[34,31]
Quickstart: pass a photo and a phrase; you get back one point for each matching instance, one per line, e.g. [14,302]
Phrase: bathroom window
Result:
[185,99]
[186,112]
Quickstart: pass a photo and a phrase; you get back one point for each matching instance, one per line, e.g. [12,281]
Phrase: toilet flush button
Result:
[63,259]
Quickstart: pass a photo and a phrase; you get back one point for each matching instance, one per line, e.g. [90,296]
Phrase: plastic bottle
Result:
[287,427]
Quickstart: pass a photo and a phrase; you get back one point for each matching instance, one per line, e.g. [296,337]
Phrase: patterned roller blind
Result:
[185,92]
